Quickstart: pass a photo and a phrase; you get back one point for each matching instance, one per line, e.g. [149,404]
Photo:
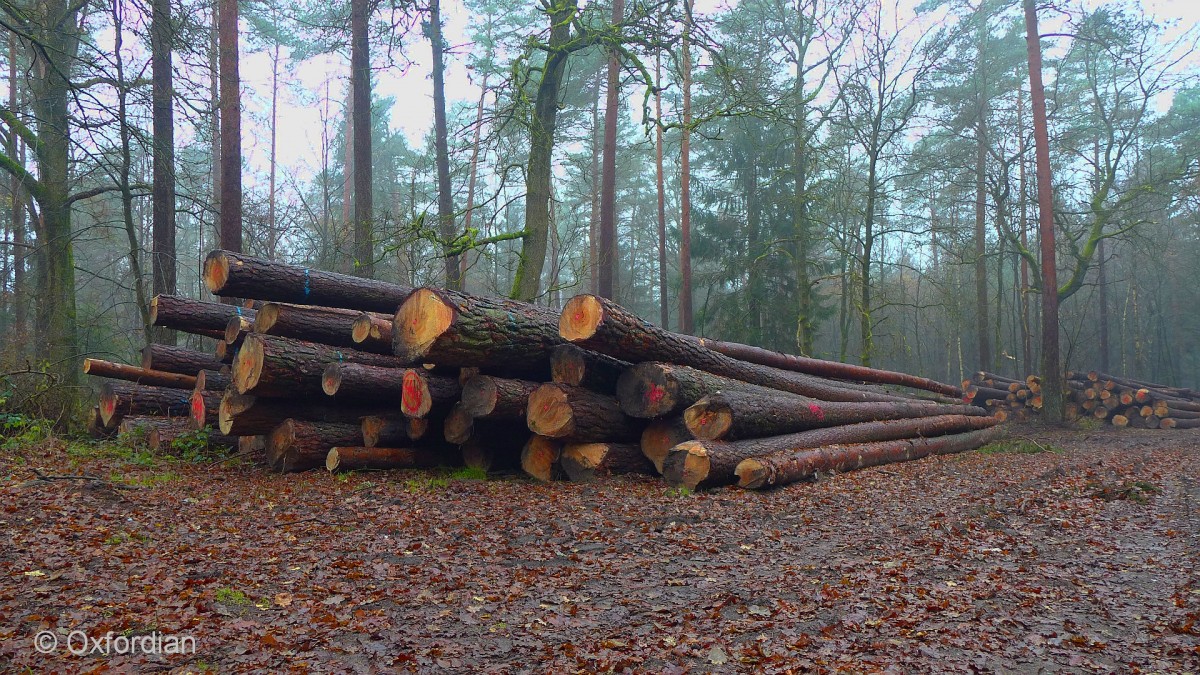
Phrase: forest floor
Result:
[1077,553]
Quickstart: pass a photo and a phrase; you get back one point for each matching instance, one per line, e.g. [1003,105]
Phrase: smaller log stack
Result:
[324,369]
[1005,397]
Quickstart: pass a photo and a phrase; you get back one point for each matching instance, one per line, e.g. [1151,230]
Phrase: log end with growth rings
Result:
[231,406]
[363,328]
[421,320]
[332,460]
[265,319]
[216,271]
[751,474]
[479,395]
[549,412]
[154,311]
[247,365]
[687,465]
[580,460]
[580,318]
[540,456]
[331,379]
[415,399]
[708,420]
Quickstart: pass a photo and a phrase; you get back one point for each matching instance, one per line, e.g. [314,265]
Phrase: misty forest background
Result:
[848,180]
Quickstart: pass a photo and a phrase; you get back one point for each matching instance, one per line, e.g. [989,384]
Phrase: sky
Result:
[300,125]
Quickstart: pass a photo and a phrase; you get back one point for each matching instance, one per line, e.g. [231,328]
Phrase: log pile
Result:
[318,369]
[1008,398]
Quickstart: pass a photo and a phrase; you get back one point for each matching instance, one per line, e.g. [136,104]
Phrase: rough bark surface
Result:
[697,464]
[601,325]
[650,390]
[119,399]
[268,365]
[172,359]
[194,316]
[328,325]
[299,445]
[580,367]
[789,467]
[733,415]
[242,415]
[487,397]
[244,276]
[359,458]
[356,381]
[577,414]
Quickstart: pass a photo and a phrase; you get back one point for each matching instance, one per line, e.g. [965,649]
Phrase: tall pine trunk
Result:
[163,208]
[442,145]
[685,182]
[231,128]
[664,306]
[608,176]
[17,151]
[470,210]
[360,81]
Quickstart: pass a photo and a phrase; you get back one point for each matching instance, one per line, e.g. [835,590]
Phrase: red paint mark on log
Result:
[655,393]
[816,410]
[198,408]
[411,394]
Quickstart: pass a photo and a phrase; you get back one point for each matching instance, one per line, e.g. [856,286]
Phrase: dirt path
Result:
[1083,560]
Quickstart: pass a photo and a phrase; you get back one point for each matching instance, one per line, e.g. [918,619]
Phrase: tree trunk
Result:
[162,38]
[241,415]
[372,332]
[300,445]
[120,371]
[585,462]
[685,182]
[664,305]
[457,330]
[267,365]
[17,152]
[600,325]
[696,464]
[358,382]
[580,367]
[474,172]
[193,316]
[608,172]
[653,389]
[441,144]
[392,431]
[789,467]
[231,128]
[360,65]
[274,234]
[732,415]
[326,325]
[486,397]
[348,458]
[528,280]
[119,399]
[981,294]
[1052,408]
[232,274]
[577,414]
[172,359]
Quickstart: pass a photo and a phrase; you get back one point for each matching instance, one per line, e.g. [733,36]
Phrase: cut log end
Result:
[708,420]
[479,395]
[248,364]
[422,318]
[459,425]
[362,328]
[332,460]
[540,458]
[658,439]
[580,318]
[647,391]
[687,465]
[216,271]
[751,474]
[579,460]
[331,379]
[266,318]
[415,399]
[549,412]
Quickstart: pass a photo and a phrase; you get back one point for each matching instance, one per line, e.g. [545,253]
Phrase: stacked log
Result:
[349,374]
[1006,397]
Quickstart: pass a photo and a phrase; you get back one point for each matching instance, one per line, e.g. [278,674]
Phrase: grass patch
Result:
[425,483]
[1017,446]
[232,596]
[468,473]
[1137,491]
[679,492]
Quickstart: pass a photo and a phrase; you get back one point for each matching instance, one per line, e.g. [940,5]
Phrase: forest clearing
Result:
[1075,555]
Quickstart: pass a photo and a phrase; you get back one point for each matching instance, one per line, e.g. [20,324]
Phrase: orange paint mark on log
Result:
[816,410]
[655,393]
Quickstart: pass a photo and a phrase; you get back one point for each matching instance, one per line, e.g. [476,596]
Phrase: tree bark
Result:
[608,172]
[162,39]
[577,414]
[171,359]
[487,397]
[359,382]
[585,462]
[697,464]
[267,365]
[326,325]
[664,304]
[233,274]
[1052,407]
[360,81]
[737,414]
[652,389]
[792,466]
[120,371]
[600,325]
[458,330]
[119,399]
[372,332]
[528,279]
[241,415]
[685,182]
[580,367]
[469,212]
[441,144]
[300,445]
[231,127]
[193,316]
[348,458]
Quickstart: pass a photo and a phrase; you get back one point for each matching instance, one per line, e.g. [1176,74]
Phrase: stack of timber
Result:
[1127,402]
[320,369]
[1005,397]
